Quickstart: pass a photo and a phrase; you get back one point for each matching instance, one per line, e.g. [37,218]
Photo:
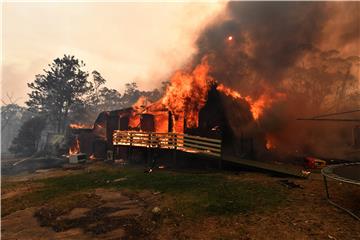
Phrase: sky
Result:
[143,42]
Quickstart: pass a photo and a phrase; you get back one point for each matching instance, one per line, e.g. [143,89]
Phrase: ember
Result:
[269,142]
[75,149]
[80,125]
[92,157]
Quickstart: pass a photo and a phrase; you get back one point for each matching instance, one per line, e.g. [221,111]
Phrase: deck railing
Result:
[177,141]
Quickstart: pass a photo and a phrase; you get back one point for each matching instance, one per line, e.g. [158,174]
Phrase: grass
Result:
[186,193]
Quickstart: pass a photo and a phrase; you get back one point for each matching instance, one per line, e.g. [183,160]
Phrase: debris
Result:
[156,193]
[120,161]
[120,179]
[305,173]
[161,167]
[289,184]
[77,158]
[148,170]
[20,161]
[156,210]
[73,166]
[43,170]
[314,163]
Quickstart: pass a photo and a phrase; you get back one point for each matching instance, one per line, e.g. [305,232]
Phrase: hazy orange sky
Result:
[141,42]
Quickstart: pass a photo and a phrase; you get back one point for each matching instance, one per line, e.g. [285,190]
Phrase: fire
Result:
[92,157]
[80,125]
[230,38]
[187,94]
[257,106]
[184,97]
[134,120]
[161,122]
[75,148]
[229,92]
[269,143]
[141,104]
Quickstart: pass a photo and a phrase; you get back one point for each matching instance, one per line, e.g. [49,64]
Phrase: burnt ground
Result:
[107,202]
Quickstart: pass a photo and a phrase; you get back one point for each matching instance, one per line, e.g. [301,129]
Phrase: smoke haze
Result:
[306,51]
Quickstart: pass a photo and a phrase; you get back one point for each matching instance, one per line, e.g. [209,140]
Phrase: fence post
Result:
[174,142]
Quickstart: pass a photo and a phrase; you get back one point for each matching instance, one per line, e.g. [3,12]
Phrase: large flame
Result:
[187,94]
[184,97]
[75,148]
[257,106]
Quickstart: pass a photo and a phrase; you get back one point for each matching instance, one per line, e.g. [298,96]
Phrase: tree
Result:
[12,117]
[131,94]
[54,92]
[28,137]
[98,81]
[325,82]
[110,99]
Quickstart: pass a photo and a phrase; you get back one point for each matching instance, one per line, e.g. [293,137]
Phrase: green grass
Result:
[186,193]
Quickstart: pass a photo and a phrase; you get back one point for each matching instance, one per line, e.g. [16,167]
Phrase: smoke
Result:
[308,51]
[277,30]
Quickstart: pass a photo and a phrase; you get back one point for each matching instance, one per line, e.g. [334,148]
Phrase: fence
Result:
[177,141]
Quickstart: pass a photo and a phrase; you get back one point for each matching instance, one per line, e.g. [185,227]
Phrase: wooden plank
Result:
[202,147]
[206,153]
[203,138]
[283,169]
[179,141]
[204,143]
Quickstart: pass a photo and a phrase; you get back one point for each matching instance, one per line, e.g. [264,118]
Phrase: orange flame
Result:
[80,125]
[257,106]
[75,148]
[92,157]
[184,97]
[269,143]
[134,120]
[161,122]
[187,94]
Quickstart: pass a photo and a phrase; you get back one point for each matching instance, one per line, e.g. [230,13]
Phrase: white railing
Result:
[177,141]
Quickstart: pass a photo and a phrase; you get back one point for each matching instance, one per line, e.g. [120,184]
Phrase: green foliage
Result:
[26,142]
[58,88]
[190,194]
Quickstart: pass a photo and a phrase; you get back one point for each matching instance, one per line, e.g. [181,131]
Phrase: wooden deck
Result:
[197,145]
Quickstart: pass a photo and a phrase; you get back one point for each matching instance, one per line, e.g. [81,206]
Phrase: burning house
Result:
[193,105]
[247,85]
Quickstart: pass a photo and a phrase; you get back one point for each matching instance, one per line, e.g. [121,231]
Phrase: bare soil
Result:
[114,214]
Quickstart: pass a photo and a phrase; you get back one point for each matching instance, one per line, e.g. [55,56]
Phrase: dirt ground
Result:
[114,214]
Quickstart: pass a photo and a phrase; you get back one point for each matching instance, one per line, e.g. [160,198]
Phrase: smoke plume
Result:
[306,51]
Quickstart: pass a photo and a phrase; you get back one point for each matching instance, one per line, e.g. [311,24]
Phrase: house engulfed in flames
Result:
[193,104]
